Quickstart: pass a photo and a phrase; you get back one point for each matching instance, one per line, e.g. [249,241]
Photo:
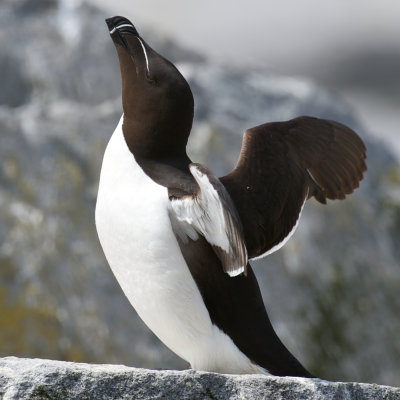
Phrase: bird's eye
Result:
[151,78]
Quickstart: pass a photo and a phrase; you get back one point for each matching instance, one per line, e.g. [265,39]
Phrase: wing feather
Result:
[280,165]
[211,212]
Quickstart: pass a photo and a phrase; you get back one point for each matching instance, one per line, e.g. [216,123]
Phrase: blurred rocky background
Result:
[332,292]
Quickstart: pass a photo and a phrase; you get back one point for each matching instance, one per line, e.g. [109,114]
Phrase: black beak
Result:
[118,26]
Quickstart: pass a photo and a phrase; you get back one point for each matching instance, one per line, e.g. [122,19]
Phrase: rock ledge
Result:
[45,379]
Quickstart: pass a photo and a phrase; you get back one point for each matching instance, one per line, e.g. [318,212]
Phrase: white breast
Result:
[134,228]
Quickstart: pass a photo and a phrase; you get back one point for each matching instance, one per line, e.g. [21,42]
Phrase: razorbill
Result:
[178,239]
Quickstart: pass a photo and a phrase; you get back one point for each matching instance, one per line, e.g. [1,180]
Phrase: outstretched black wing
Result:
[280,166]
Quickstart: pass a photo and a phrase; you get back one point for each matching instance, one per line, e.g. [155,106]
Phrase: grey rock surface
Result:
[37,379]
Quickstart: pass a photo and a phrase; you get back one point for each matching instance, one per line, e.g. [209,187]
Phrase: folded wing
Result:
[211,212]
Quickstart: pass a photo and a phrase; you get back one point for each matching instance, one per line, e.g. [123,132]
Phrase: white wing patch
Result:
[211,213]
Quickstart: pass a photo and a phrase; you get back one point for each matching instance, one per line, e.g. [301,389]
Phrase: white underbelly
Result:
[134,228]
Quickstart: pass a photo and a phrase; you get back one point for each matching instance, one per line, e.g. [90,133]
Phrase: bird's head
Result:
[157,100]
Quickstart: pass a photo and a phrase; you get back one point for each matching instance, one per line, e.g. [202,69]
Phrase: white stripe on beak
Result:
[120,26]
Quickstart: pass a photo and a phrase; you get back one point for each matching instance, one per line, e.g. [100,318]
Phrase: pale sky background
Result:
[350,46]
